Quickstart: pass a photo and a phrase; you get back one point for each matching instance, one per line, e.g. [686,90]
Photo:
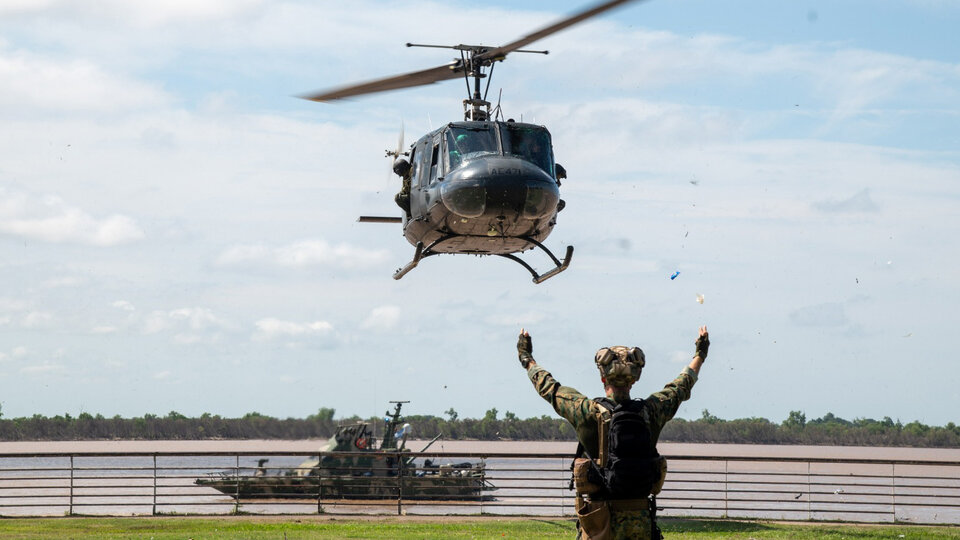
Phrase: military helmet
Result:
[620,366]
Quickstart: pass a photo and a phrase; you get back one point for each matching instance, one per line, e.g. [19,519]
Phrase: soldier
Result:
[404,170]
[617,467]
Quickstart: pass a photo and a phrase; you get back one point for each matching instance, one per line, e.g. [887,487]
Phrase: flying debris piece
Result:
[675,274]
[699,298]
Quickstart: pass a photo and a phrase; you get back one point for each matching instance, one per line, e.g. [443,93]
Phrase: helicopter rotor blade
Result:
[406,80]
[498,53]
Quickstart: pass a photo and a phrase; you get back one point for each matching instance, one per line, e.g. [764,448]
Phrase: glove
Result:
[702,344]
[525,349]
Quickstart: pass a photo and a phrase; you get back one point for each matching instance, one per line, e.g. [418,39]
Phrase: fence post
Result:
[236,501]
[726,489]
[893,488]
[809,512]
[70,511]
[563,492]
[399,483]
[154,510]
[483,467]
[319,482]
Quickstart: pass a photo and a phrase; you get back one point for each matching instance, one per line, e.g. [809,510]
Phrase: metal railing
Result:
[126,483]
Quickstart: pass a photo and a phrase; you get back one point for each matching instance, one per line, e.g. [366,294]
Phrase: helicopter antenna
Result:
[498,112]
[466,77]
[489,80]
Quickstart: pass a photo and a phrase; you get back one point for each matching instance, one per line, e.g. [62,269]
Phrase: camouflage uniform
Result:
[582,412]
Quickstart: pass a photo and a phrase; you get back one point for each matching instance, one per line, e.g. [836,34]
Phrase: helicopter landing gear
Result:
[538,278]
[559,266]
[417,255]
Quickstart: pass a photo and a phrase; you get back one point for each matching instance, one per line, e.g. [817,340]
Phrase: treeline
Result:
[827,430]
[173,426]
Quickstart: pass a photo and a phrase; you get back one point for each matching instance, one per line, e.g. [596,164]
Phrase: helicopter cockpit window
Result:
[463,144]
[531,143]
[434,161]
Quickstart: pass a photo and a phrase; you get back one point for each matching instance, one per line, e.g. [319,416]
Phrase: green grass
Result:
[313,527]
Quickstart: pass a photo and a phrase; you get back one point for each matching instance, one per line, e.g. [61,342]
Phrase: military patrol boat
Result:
[350,466]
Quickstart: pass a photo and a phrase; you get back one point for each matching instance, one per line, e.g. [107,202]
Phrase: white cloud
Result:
[124,305]
[103,329]
[161,375]
[63,282]
[516,319]
[37,319]
[680,357]
[49,219]
[29,81]
[270,328]
[861,202]
[829,314]
[382,318]
[301,254]
[143,13]
[188,325]
[114,363]
[20,352]
[42,369]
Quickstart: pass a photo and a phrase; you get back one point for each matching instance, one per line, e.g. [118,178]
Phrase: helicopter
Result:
[483,186]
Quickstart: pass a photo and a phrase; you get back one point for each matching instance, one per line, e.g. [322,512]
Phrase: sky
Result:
[178,231]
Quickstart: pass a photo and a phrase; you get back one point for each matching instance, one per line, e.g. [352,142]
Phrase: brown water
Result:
[537,447]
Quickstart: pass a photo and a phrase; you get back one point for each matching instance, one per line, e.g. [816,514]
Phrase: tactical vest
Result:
[628,466]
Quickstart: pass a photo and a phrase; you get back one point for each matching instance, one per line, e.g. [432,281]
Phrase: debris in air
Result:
[675,274]
[699,298]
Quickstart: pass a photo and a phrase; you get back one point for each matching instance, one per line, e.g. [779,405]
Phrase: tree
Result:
[324,414]
[491,414]
[796,420]
[451,415]
[708,418]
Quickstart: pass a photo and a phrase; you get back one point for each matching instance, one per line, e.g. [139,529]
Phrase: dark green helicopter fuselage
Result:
[482,187]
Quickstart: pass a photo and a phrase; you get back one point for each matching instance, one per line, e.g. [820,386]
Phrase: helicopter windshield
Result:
[466,143]
[531,143]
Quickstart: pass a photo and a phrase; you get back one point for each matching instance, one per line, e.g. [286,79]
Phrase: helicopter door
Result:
[420,179]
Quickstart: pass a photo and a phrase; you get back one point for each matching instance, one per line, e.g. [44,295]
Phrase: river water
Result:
[35,480]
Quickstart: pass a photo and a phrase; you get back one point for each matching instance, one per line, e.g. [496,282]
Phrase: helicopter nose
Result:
[500,186]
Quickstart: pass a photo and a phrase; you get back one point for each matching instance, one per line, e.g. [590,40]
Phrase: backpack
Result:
[629,466]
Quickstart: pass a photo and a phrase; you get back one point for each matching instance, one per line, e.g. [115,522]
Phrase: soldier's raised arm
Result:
[702,344]
[667,401]
[568,402]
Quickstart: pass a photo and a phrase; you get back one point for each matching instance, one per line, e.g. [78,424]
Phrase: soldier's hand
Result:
[524,348]
[703,343]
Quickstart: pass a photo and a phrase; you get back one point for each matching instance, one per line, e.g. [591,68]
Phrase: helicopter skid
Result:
[417,255]
[559,266]
[540,278]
